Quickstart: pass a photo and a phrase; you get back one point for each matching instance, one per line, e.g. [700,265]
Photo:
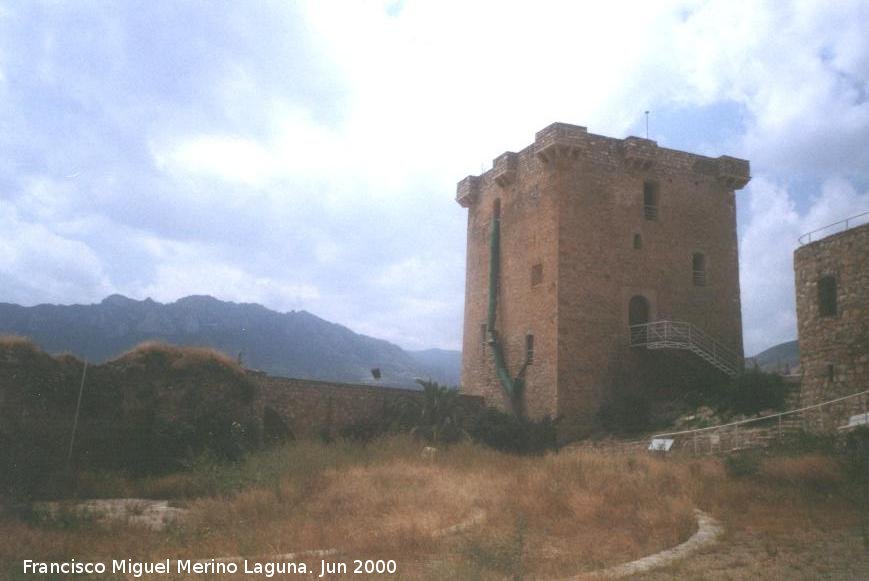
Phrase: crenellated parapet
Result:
[557,146]
[732,172]
[560,141]
[468,191]
[639,153]
[504,168]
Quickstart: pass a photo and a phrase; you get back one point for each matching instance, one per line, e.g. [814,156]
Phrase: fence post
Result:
[779,429]
[695,443]
[736,436]
[865,410]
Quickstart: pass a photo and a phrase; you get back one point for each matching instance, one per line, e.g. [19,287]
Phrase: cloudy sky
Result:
[304,155]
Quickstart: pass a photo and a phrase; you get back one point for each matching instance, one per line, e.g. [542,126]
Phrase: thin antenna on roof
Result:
[647,124]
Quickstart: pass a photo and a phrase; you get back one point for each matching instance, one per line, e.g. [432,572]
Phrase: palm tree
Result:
[439,413]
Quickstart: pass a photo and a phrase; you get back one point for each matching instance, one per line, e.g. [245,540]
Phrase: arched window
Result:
[638,314]
[638,242]
[698,269]
[827,298]
[638,310]
[496,209]
[650,200]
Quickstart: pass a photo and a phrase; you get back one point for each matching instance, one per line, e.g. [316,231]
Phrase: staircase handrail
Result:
[682,333]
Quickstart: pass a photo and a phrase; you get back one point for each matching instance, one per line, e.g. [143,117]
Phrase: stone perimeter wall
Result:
[834,350]
[309,407]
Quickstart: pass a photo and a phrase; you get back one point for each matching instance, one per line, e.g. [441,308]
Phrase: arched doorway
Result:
[638,314]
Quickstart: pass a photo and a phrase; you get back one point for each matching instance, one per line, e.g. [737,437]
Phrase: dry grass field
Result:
[545,517]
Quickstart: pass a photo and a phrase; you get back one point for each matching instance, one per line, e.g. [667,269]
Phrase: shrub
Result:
[819,472]
[401,414]
[29,458]
[364,430]
[626,411]
[147,412]
[856,455]
[803,442]
[754,391]
[439,417]
[275,429]
[510,433]
[742,464]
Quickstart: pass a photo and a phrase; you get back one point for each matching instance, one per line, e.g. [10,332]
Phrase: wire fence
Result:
[827,417]
[831,416]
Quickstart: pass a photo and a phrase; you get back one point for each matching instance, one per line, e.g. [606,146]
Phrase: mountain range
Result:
[781,358]
[293,344]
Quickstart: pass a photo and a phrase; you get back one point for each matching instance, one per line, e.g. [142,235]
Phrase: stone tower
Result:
[832,288]
[589,259]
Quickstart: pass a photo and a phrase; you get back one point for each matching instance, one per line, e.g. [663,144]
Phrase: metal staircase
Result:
[682,335]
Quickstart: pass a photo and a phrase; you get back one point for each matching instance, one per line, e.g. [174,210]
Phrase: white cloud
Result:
[38,265]
[296,147]
[309,160]
[234,159]
[766,252]
[191,268]
[440,89]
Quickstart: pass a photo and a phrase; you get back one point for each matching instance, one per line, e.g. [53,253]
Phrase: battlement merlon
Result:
[504,168]
[733,172]
[560,141]
[467,191]
[639,153]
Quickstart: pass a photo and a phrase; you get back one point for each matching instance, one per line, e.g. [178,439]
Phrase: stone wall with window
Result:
[832,292]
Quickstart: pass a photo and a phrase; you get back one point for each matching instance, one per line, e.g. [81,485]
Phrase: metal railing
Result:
[848,223]
[682,335]
[727,437]
[749,433]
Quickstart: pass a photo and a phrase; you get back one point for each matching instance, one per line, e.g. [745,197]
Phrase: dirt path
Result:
[801,554]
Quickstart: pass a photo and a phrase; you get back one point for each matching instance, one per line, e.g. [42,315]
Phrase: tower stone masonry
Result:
[576,238]
[832,295]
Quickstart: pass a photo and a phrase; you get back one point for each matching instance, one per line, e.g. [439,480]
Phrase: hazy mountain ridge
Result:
[441,363]
[293,344]
[779,358]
